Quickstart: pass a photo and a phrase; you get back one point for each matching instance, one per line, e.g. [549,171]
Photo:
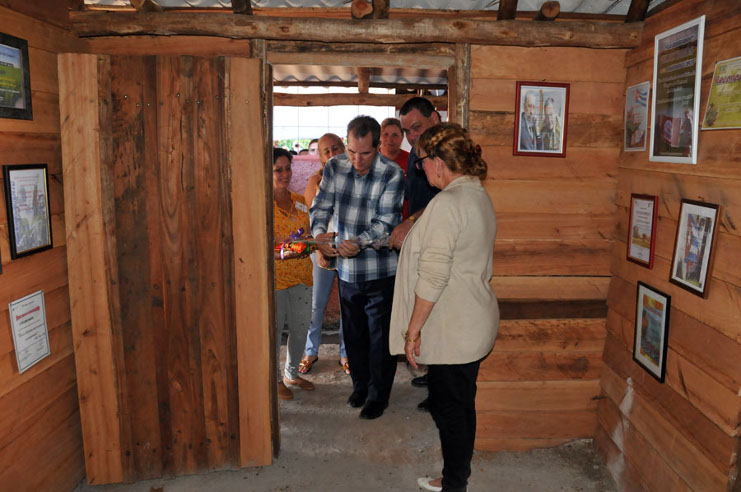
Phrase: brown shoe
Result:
[299,382]
[283,392]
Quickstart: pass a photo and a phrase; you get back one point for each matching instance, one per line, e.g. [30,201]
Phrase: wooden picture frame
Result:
[27,208]
[693,246]
[675,105]
[651,330]
[541,114]
[642,229]
[15,79]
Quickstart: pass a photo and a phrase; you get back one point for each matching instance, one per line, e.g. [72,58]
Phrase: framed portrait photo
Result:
[15,79]
[541,114]
[651,330]
[642,229]
[693,246]
[675,103]
[27,206]
[636,116]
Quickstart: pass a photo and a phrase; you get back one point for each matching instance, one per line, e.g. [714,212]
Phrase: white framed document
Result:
[30,333]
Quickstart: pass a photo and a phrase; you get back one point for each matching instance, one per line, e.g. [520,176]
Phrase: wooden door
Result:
[166,194]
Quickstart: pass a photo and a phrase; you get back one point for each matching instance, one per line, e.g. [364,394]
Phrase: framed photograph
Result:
[693,246]
[724,98]
[636,116]
[15,79]
[651,330]
[642,229]
[676,95]
[27,206]
[540,119]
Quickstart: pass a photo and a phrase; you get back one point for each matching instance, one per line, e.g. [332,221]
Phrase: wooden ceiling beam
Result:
[387,31]
[548,11]
[313,100]
[146,6]
[364,74]
[242,7]
[380,85]
[507,10]
[637,11]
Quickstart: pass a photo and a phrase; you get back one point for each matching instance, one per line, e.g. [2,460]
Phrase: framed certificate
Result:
[642,229]
[30,333]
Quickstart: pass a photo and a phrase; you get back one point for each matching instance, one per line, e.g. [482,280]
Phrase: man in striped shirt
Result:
[363,192]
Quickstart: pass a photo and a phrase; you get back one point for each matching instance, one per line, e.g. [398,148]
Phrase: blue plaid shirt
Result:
[361,206]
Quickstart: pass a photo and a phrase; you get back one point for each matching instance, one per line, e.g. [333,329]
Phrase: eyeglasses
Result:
[419,162]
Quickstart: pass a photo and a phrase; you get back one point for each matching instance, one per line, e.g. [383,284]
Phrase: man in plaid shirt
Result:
[363,192]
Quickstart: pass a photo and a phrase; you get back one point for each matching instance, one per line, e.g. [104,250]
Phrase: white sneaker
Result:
[424,484]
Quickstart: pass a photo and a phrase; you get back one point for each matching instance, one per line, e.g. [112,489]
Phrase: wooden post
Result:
[463,82]
[548,11]
[507,9]
[252,264]
[89,263]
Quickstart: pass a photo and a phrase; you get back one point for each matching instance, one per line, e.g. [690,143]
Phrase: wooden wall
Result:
[683,434]
[556,227]
[40,438]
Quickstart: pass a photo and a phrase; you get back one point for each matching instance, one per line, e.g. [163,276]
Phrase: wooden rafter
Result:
[403,88]
[396,100]
[242,7]
[548,11]
[381,9]
[364,74]
[361,9]
[507,9]
[637,11]
[146,6]
[388,31]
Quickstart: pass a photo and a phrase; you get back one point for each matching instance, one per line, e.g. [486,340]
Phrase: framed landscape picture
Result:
[693,246]
[676,93]
[27,206]
[15,79]
[541,119]
[642,229]
[651,330]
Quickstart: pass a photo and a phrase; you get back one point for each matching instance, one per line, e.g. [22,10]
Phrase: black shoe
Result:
[357,399]
[420,382]
[424,405]
[373,410]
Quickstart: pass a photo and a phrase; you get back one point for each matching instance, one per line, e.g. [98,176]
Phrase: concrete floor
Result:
[326,447]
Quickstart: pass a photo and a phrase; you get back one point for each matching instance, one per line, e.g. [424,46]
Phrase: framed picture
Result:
[693,246]
[15,79]
[651,330]
[27,206]
[676,96]
[642,229]
[636,116]
[724,98]
[540,119]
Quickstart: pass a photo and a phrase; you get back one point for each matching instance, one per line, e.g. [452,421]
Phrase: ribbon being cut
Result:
[299,243]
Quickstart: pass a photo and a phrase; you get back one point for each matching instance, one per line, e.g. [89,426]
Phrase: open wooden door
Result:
[167,189]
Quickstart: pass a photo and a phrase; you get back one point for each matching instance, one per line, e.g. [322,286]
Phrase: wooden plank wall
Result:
[556,227]
[683,434]
[40,436]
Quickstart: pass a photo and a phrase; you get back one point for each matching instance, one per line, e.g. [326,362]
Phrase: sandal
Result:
[345,366]
[305,365]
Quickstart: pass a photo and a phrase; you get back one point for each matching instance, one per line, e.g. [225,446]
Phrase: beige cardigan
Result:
[446,258]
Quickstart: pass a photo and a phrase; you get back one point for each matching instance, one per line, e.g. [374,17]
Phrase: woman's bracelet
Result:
[407,339]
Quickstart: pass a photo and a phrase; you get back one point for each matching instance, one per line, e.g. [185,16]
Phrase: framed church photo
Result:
[693,246]
[15,79]
[542,109]
[27,207]
[651,330]
[642,229]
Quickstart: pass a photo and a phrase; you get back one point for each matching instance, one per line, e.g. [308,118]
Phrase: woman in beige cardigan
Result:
[444,313]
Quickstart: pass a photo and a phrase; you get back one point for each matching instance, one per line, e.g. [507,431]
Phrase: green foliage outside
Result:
[288,143]
[11,80]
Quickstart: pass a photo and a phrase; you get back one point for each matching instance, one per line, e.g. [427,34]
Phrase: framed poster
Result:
[541,112]
[30,333]
[651,330]
[636,116]
[15,79]
[642,229]
[693,246]
[724,99]
[676,96]
[27,206]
